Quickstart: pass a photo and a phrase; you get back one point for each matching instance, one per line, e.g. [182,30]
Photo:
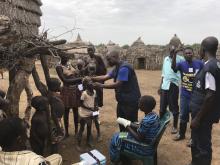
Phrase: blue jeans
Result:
[184,109]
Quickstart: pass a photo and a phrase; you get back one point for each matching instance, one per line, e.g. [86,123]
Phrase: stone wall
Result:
[143,56]
[148,57]
[25,15]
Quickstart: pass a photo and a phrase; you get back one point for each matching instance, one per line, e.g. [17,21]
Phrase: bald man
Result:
[205,104]
[126,87]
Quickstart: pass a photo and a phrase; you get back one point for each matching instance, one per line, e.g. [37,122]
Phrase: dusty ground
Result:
[169,152]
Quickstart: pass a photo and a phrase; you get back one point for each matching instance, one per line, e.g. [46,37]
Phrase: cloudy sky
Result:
[123,21]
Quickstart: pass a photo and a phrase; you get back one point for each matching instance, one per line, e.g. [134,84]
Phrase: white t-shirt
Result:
[88,101]
[210,81]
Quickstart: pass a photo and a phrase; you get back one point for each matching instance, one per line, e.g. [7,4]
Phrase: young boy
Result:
[56,105]
[91,68]
[144,132]
[88,111]
[39,132]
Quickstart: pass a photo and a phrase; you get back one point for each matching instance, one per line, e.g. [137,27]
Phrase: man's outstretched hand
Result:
[87,78]
[97,85]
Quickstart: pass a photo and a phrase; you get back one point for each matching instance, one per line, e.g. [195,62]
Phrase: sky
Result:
[123,21]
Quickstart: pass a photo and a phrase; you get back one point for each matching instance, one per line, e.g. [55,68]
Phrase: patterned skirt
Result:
[70,96]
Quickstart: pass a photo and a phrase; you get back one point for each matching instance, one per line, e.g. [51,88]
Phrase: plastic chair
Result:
[147,160]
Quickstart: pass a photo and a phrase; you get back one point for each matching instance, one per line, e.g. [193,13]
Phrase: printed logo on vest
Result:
[198,84]
[218,64]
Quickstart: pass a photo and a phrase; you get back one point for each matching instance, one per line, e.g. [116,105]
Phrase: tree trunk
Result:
[18,82]
[14,92]
[29,94]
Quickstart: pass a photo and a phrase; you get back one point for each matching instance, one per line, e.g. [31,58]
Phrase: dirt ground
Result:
[169,152]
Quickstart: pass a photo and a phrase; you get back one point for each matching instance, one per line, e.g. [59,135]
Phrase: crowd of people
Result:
[82,92]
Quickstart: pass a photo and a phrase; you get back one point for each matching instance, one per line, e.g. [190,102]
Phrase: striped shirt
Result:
[149,127]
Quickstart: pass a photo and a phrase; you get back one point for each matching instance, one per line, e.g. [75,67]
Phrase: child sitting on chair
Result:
[145,132]
[88,111]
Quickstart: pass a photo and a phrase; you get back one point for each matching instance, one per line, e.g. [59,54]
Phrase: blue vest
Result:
[199,91]
[129,91]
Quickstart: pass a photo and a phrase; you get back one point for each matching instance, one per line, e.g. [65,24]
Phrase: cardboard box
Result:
[80,163]
[91,158]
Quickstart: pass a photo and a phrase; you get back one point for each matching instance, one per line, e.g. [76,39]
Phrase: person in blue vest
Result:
[169,87]
[188,69]
[126,87]
[205,104]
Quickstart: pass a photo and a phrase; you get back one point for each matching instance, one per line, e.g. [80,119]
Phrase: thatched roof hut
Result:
[24,14]
[111,46]
[80,47]
[138,43]
[143,56]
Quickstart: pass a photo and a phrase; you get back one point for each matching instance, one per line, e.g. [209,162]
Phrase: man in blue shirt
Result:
[188,69]
[126,87]
[169,88]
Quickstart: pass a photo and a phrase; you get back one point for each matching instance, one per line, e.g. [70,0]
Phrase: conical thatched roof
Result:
[110,43]
[138,42]
[175,41]
[25,15]
[78,42]
[78,39]
[81,46]
[111,46]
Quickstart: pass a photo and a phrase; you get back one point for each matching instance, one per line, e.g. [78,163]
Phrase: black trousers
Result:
[128,111]
[99,93]
[66,119]
[170,98]
[201,148]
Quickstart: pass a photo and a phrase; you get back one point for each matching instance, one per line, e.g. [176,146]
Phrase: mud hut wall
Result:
[153,56]
[25,14]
